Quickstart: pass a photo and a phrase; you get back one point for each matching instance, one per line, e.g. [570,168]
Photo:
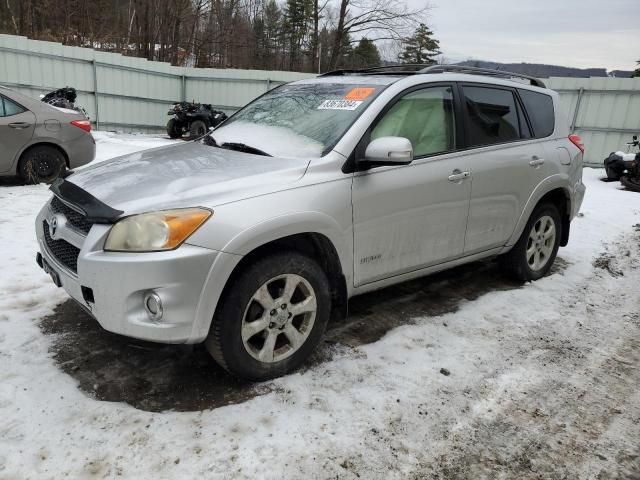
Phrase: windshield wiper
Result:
[243,147]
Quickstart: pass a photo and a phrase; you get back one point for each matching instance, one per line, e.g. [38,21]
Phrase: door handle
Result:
[457,175]
[19,125]
[536,161]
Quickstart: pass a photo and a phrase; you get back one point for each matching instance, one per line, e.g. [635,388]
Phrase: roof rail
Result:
[481,71]
[405,69]
[419,68]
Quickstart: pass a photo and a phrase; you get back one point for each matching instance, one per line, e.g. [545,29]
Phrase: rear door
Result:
[506,163]
[16,129]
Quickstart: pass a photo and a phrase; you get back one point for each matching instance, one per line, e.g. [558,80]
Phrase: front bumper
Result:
[112,286]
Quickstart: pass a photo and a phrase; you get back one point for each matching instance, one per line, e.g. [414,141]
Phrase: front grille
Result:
[62,250]
[74,219]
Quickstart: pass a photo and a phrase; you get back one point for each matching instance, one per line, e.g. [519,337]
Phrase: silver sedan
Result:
[38,142]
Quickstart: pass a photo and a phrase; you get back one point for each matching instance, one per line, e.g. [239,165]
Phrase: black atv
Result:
[193,119]
[64,98]
[625,167]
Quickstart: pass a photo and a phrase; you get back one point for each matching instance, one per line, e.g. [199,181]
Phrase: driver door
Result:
[412,216]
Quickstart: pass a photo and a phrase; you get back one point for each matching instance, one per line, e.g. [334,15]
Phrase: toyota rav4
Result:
[252,237]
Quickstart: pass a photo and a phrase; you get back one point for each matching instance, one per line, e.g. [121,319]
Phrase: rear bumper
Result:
[112,286]
[81,150]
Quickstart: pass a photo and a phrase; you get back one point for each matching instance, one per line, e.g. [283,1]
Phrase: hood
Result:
[186,175]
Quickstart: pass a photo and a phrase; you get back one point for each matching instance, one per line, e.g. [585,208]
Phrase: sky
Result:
[573,33]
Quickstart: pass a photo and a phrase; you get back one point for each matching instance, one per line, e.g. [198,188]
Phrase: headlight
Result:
[155,231]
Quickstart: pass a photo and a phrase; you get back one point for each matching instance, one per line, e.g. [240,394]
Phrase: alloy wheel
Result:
[540,243]
[279,318]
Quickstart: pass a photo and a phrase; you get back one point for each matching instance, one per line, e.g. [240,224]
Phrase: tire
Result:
[251,357]
[520,263]
[173,128]
[612,175]
[41,164]
[632,184]
[197,129]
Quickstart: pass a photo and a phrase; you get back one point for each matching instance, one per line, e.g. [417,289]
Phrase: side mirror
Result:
[389,151]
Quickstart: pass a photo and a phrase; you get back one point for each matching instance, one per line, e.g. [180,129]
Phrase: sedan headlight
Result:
[155,231]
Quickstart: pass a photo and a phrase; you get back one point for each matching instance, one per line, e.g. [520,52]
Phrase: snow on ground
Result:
[543,380]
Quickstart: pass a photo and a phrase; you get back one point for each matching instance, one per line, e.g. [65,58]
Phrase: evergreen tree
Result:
[365,55]
[420,47]
[637,71]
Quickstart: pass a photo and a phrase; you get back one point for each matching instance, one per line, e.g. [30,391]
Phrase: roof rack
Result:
[481,71]
[418,68]
[405,69]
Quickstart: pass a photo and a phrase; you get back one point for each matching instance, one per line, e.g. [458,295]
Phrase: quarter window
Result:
[9,108]
[425,117]
[492,114]
[540,109]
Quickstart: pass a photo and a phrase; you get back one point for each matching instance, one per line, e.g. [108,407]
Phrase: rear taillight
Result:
[83,124]
[577,141]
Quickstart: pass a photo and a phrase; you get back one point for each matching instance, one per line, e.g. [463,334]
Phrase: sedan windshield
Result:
[303,120]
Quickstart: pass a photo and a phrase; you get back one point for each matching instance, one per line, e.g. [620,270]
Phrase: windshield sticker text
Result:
[339,105]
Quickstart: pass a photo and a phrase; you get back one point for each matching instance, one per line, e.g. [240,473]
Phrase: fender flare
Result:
[254,237]
[554,182]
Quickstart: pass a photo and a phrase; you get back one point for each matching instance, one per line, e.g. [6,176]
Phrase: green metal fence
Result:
[133,94]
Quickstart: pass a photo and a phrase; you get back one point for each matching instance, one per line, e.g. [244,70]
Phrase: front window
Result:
[304,120]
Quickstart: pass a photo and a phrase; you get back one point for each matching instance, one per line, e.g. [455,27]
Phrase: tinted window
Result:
[425,117]
[540,110]
[493,117]
[8,108]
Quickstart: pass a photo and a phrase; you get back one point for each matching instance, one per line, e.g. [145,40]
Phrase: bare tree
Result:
[378,19]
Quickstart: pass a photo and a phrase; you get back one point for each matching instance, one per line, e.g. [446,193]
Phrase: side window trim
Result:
[516,99]
[350,165]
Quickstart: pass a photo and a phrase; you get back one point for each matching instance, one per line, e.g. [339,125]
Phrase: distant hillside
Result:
[543,71]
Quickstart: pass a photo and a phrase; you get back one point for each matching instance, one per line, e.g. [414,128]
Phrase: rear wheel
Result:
[174,130]
[197,129]
[272,318]
[41,164]
[534,253]
[630,183]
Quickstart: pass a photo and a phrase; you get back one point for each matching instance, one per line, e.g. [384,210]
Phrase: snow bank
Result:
[383,410]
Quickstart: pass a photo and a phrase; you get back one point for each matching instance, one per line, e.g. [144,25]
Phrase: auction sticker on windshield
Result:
[339,105]
[359,93]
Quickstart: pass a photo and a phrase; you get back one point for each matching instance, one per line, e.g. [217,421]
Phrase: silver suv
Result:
[251,238]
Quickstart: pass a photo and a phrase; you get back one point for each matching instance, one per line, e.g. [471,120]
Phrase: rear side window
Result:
[539,107]
[492,115]
[8,108]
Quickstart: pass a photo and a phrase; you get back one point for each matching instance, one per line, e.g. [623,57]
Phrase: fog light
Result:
[153,305]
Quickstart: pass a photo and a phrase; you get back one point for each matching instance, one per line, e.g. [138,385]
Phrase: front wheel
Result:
[197,129]
[271,318]
[533,255]
[174,130]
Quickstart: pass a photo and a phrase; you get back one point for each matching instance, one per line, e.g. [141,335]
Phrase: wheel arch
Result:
[42,144]
[267,238]
[314,245]
[553,190]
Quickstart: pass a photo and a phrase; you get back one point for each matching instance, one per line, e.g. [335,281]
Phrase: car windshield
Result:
[303,120]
